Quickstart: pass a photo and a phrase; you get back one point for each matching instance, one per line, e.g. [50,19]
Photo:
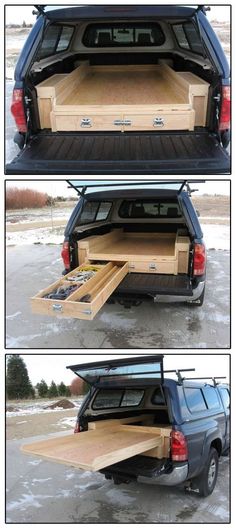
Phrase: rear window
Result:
[56,39]
[187,37]
[149,209]
[94,212]
[120,34]
[195,400]
[112,399]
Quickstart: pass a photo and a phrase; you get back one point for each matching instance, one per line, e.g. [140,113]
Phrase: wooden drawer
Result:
[169,267]
[98,289]
[85,122]
[172,120]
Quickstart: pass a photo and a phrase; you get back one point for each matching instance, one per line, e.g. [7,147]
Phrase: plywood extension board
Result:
[94,450]
[140,97]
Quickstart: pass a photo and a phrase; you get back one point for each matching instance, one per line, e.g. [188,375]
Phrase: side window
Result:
[211,397]
[180,36]
[194,399]
[65,38]
[103,211]
[158,397]
[132,398]
[225,397]
[89,212]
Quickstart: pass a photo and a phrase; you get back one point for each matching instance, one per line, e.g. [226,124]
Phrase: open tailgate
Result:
[116,153]
[96,449]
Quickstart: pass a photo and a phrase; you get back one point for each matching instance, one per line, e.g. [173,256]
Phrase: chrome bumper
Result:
[181,298]
[177,476]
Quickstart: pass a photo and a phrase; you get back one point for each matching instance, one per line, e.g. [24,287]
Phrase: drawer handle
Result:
[57,307]
[87,312]
[158,122]
[86,122]
[132,266]
[122,122]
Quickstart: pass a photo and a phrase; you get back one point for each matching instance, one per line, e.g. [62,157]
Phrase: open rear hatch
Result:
[109,441]
[117,153]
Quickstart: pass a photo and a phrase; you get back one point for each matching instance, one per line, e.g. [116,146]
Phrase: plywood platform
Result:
[94,450]
[127,97]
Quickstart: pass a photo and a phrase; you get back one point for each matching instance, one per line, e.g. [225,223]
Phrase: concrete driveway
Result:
[39,491]
[32,268]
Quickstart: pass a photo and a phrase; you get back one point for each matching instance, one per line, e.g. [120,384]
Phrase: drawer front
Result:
[162,121]
[85,122]
[93,293]
[170,267]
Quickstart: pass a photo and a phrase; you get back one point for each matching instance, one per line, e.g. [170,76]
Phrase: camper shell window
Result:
[113,399]
[149,209]
[123,34]
[56,39]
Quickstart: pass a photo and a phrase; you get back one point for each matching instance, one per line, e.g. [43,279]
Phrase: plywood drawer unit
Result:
[46,92]
[161,120]
[85,122]
[165,266]
[94,293]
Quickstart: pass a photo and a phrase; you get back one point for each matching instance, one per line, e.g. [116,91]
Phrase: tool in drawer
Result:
[60,294]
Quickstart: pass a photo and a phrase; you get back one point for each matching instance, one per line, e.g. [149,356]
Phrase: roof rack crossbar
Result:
[213,378]
[88,185]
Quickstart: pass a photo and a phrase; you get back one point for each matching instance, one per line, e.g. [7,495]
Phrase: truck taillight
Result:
[199,260]
[65,255]
[77,427]
[179,447]
[224,123]
[18,111]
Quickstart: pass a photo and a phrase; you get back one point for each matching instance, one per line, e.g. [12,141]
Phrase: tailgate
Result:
[117,153]
[86,288]
[97,449]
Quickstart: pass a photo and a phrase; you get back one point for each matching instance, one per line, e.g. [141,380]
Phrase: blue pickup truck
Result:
[121,89]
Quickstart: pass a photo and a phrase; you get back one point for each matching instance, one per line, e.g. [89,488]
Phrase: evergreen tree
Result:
[18,384]
[61,389]
[42,388]
[68,393]
[52,391]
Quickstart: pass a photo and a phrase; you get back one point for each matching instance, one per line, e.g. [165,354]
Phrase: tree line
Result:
[19,386]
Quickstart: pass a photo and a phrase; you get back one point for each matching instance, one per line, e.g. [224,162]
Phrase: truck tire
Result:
[207,479]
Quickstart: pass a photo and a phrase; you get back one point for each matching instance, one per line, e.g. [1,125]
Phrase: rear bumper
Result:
[178,475]
[181,298]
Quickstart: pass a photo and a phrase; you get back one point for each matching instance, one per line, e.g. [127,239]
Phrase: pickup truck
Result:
[121,89]
[128,241]
[137,424]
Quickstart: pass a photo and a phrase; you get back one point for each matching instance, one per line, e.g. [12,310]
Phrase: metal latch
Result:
[86,122]
[152,266]
[87,312]
[57,307]
[158,122]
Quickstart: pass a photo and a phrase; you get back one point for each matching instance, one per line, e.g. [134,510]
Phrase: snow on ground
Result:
[215,236]
[24,409]
[43,213]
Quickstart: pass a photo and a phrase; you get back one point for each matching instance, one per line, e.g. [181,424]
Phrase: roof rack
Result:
[181,379]
[82,187]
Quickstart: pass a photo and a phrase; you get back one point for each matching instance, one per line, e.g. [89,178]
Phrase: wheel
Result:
[207,480]
[198,302]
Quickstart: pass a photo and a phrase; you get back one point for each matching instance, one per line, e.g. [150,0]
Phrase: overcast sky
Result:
[53,366]
[16,14]
[60,188]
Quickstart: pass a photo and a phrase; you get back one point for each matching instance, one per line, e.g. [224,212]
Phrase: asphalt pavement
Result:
[39,491]
[32,268]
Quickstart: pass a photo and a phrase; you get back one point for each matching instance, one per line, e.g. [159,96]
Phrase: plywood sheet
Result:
[94,450]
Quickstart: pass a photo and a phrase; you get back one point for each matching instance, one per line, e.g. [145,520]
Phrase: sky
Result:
[16,14]
[60,188]
[53,366]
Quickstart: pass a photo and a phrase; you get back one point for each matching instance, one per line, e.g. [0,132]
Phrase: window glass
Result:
[225,397]
[187,37]
[56,39]
[180,36]
[194,399]
[120,34]
[65,37]
[211,397]
[158,397]
[117,398]
[149,209]
[94,212]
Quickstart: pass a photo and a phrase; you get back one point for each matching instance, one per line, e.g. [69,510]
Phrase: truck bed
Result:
[116,153]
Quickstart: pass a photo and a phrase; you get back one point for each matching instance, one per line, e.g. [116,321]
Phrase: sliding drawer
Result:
[86,122]
[169,267]
[85,301]
[172,120]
